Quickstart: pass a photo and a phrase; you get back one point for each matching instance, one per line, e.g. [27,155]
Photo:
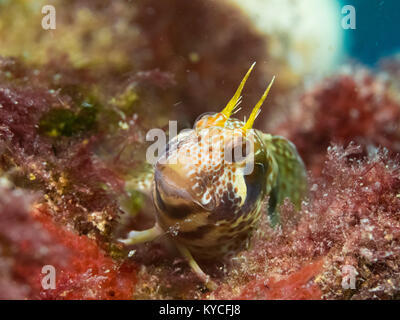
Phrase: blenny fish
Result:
[209,185]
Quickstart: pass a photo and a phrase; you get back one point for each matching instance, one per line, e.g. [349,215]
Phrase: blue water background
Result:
[377,33]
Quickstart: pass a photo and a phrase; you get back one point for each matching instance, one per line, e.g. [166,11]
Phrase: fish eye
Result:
[237,151]
[203,117]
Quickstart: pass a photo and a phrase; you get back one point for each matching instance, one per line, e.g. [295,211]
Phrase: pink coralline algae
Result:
[351,219]
[31,240]
[297,286]
[344,108]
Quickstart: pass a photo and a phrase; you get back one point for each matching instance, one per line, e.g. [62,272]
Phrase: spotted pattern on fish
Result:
[205,201]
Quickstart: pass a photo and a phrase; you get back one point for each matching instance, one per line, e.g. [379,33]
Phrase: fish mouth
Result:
[174,189]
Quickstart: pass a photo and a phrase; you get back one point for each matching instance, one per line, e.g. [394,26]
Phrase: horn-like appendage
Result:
[233,102]
[256,109]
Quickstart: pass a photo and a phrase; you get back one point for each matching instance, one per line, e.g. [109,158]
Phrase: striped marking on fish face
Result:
[201,192]
[225,238]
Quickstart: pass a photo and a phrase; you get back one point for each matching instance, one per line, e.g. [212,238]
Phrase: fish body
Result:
[205,198]
[210,184]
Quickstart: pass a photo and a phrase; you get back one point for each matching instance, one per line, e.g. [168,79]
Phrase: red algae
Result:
[296,286]
[349,220]
[22,242]
[90,273]
[30,240]
[343,108]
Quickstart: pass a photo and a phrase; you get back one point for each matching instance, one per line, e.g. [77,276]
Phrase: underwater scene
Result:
[199,150]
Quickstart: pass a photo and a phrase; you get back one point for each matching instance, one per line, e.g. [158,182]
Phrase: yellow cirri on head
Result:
[220,119]
[227,112]
[256,109]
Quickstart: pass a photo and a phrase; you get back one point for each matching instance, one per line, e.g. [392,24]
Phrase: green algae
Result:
[68,123]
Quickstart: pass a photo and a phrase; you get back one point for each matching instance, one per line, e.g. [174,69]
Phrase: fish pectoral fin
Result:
[135,237]
[211,285]
[292,175]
